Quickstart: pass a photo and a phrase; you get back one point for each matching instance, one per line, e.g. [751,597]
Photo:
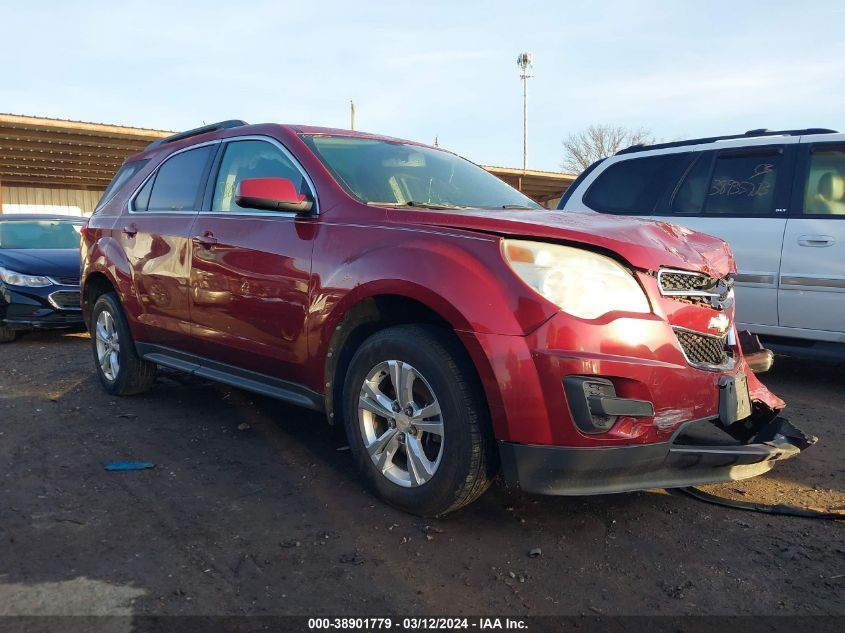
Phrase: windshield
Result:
[400,174]
[39,234]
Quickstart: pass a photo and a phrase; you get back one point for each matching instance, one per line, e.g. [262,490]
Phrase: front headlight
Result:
[19,279]
[582,283]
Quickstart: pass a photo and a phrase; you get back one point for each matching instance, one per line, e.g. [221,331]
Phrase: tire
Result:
[7,335]
[120,370]
[424,472]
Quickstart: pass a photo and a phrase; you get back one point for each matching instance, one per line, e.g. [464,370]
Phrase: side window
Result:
[824,191]
[251,159]
[177,183]
[690,197]
[743,184]
[123,175]
[142,200]
[567,194]
[635,186]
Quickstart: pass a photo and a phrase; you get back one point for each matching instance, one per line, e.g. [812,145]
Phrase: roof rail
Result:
[712,139]
[213,127]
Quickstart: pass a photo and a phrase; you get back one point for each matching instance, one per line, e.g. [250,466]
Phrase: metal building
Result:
[59,166]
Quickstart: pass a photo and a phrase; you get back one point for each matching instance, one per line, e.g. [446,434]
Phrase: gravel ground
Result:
[253,508]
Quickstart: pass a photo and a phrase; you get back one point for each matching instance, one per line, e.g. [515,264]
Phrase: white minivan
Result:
[778,199]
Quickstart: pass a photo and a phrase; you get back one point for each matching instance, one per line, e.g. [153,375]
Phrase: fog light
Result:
[595,407]
[579,390]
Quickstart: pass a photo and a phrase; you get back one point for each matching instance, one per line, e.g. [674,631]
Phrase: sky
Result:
[429,69]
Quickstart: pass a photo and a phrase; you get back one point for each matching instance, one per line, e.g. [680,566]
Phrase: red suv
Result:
[452,325]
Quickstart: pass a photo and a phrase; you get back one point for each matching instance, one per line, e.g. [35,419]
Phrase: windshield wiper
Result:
[419,205]
[519,206]
[433,205]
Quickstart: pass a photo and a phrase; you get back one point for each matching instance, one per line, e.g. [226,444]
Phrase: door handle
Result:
[206,240]
[131,229]
[817,241]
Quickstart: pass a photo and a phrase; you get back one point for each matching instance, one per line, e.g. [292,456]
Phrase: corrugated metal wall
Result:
[37,200]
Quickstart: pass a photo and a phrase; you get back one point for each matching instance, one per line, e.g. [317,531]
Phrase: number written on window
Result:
[743,185]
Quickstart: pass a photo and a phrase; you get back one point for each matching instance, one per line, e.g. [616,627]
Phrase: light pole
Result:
[525,61]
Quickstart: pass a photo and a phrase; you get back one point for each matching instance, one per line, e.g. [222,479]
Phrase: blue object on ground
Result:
[129,465]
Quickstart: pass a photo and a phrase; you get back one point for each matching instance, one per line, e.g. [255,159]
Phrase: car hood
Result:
[645,244]
[53,262]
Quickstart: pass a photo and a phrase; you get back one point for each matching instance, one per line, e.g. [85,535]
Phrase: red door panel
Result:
[249,291]
[159,253]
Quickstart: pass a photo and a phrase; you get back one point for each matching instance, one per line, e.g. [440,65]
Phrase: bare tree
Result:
[582,149]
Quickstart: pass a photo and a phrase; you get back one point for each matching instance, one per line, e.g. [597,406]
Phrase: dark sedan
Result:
[39,273]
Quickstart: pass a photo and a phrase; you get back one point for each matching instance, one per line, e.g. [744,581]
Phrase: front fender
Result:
[462,279]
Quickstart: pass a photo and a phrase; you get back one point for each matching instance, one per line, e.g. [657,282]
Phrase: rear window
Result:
[635,186]
[176,184]
[123,175]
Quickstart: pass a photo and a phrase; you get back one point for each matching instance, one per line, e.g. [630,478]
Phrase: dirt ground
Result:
[253,508]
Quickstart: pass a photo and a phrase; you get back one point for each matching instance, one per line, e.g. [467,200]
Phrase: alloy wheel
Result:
[400,421]
[108,345]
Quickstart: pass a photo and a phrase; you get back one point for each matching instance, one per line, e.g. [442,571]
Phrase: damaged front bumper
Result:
[700,452]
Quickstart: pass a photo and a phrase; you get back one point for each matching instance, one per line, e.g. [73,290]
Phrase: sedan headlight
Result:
[19,279]
[582,283]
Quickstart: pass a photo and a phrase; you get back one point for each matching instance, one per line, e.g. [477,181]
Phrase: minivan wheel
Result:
[121,371]
[416,420]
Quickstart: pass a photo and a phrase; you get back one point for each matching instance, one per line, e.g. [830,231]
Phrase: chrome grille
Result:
[703,350]
[66,281]
[697,300]
[696,288]
[674,281]
[66,299]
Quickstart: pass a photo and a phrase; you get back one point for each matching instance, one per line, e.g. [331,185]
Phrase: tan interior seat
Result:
[830,194]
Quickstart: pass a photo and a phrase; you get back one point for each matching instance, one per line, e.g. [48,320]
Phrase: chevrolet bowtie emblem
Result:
[719,323]
[722,297]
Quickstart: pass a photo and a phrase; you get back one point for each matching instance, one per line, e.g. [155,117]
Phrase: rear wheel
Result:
[120,370]
[7,335]
[417,422]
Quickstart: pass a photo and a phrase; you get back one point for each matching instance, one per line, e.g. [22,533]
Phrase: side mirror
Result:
[272,194]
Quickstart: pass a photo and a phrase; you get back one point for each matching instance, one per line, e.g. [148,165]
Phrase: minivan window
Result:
[251,159]
[177,182]
[824,191]
[120,178]
[743,184]
[690,197]
[577,183]
[635,186]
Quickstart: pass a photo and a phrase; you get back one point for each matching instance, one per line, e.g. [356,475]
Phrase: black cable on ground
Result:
[779,508]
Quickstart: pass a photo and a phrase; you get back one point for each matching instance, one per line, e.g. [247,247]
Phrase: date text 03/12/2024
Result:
[416,624]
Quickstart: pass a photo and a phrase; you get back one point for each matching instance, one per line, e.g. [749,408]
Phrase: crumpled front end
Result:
[693,457]
[633,401]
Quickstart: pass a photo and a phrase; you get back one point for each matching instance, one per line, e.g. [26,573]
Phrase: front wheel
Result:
[120,370]
[417,422]
[7,335]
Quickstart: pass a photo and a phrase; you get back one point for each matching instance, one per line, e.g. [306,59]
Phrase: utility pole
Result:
[352,115]
[525,61]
